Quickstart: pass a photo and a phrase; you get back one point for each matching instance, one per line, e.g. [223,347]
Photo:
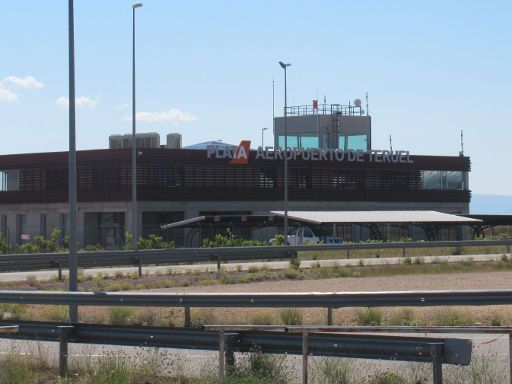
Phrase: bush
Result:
[403,317]
[290,316]
[257,367]
[332,371]
[453,317]
[4,247]
[369,316]
[120,316]
[229,240]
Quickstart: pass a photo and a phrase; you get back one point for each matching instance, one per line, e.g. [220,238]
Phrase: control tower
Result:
[325,126]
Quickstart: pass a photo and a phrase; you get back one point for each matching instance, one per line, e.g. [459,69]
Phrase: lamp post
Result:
[262,130]
[73,256]
[284,66]
[134,141]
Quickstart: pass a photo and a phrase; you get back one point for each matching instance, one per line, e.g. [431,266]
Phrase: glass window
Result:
[309,141]
[341,141]
[454,180]
[292,141]
[9,180]
[325,140]
[442,179]
[267,178]
[431,179]
[356,142]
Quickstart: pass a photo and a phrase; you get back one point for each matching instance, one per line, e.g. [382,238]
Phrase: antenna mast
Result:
[461,142]
[390,144]
[367,110]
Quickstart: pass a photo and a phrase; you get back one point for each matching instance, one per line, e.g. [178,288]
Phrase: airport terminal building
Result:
[331,166]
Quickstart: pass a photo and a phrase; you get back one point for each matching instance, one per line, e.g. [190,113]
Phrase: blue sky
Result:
[205,69]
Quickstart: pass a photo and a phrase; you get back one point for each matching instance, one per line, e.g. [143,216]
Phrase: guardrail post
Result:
[218,263]
[510,355]
[140,266]
[188,321]
[437,362]
[403,252]
[221,356]
[230,352]
[305,339]
[348,253]
[59,266]
[329,315]
[64,332]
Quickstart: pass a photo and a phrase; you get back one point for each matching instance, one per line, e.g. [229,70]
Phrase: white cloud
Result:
[123,106]
[27,82]
[81,101]
[172,115]
[6,95]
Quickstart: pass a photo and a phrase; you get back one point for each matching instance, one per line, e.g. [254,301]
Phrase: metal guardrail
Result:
[420,349]
[40,261]
[264,300]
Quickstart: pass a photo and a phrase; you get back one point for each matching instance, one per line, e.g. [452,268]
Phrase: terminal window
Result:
[9,180]
[442,180]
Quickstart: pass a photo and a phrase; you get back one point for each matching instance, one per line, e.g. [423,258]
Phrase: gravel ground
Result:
[476,280]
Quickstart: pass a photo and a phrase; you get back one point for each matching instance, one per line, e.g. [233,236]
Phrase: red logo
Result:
[241,154]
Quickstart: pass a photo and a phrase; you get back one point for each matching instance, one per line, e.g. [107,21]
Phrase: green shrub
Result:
[295,262]
[4,247]
[453,317]
[120,315]
[407,260]
[369,316]
[332,371]
[260,368]
[290,316]
[229,241]
[279,239]
[403,317]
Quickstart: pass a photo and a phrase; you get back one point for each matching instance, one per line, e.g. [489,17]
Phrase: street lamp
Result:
[73,256]
[262,130]
[284,66]
[134,141]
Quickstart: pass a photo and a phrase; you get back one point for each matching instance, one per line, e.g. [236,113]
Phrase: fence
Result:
[274,342]
[439,351]
[40,261]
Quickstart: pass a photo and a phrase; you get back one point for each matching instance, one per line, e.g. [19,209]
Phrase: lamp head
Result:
[136,5]
[264,129]
[283,65]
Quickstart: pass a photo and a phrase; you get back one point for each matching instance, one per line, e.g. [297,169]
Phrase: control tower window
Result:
[357,142]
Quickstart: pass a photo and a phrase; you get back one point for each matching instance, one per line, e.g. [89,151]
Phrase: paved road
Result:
[274,265]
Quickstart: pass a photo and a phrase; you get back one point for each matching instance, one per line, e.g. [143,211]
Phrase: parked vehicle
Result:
[304,235]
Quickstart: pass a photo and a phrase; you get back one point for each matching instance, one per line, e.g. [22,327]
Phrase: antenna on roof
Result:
[461,153]
[390,144]
[367,110]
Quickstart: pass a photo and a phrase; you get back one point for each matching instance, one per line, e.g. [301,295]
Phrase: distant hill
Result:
[491,204]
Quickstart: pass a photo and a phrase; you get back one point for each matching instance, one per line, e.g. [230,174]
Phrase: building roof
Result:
[353,217]
[205,144]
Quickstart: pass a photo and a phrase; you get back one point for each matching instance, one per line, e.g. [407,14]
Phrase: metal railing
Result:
[438,351]
[41,261]
[324,109]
